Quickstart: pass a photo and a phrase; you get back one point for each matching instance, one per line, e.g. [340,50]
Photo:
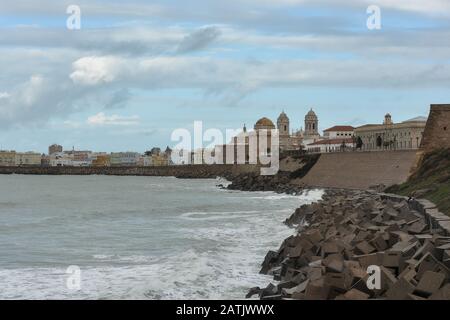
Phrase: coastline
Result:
[336,238]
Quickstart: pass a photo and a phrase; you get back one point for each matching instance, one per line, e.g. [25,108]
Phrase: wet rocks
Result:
[346,233]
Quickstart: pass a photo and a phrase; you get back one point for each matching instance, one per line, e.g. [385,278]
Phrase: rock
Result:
[253,291]
[341,236]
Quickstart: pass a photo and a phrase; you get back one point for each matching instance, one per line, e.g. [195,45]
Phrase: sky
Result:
[137,70]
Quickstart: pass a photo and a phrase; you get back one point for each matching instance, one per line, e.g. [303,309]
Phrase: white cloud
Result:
[95,70]
[4,95]
[101,119]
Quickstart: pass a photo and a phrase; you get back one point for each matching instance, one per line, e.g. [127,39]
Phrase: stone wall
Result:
[437,130]
[360,170]
[186,171]
[435,218]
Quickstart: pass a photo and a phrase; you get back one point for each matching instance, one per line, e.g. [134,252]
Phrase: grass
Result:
[430,181]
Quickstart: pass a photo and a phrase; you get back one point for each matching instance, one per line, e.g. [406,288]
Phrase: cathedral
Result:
[295,139]
[289,140]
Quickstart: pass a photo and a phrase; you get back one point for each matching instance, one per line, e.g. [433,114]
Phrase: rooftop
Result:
[340,128]
[331,141]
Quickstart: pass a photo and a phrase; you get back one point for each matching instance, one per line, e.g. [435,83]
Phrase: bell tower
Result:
[311,124]
[283,124]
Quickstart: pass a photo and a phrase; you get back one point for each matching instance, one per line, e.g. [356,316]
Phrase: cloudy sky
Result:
[137,70]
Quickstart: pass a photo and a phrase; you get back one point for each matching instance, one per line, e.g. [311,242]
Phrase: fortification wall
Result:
[437,130]
[360,170]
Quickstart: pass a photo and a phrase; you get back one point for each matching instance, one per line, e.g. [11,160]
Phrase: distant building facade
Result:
[121,159]
[54,148]
[7,158]
[391,136]
[28,159]
[60,159]
[101,160]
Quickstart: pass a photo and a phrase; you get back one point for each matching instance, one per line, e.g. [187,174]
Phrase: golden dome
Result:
[264,123]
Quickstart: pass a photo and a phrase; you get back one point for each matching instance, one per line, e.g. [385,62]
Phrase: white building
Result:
[338,132]
[331,145]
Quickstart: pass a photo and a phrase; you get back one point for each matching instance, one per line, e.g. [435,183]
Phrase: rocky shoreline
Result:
[339,237]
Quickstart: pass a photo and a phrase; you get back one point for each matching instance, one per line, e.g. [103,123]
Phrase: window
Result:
[445,128]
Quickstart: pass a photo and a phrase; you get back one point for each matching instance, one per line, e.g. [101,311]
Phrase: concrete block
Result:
[316,291]
[362,235]
[411,296]
[364,248]
[400,290]
[429,283]
[304,243]
[406,248]
[417,227]
[379,243]
[314,236]
[314,273]
[393,259]
[295,252]
[369,259]
[355,294]
[330,248]
[297,289]
[442,294]
[388,278]
[334,263]
[337,281]
[408,273]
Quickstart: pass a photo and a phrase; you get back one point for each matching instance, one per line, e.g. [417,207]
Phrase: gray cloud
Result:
[199,39]
[118,99]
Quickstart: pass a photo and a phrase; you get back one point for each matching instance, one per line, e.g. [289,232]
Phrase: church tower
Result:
[311,124]
[387,119]
[283,125]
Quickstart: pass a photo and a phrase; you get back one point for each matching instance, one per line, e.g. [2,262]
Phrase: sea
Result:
[109,237]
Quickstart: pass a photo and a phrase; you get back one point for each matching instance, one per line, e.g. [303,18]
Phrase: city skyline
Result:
[135,72]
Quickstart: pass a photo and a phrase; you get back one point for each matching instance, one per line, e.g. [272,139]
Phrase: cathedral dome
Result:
[264,123]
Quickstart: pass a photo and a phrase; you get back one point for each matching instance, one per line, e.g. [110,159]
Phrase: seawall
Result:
[350,170]
[182,171]
[360,170]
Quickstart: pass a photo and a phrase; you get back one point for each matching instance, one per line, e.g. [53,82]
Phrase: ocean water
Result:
[135,237]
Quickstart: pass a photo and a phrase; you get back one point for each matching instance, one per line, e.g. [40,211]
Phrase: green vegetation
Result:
[430,181]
